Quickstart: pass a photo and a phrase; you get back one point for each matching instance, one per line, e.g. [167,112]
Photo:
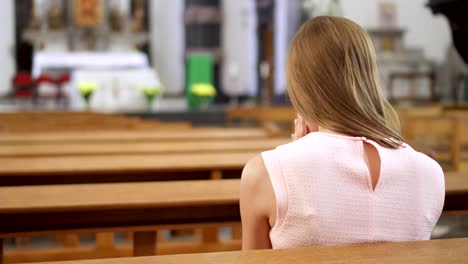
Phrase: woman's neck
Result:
[328,131]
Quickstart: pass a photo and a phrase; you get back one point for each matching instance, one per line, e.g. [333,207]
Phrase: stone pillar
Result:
[7,33]
[168,43]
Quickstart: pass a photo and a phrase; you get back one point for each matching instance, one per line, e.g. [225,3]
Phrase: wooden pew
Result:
[71,121]
[270,117]
[50,113]
[88,125]
[17,122]
[462,141]
[260,114]
[133,136]
[121,168]
[196,146]
[408,111]
[286,114]
[114,251]
[456,188]
[117,173]
[419,252]
[99,127]
[446,136]
[140,207]
[276,119]
[59,116]
[438,134]
[443,129]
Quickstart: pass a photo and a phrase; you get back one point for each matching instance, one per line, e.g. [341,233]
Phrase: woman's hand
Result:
[300,128]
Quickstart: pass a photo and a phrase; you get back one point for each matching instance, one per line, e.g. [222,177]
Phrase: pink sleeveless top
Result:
[324,193]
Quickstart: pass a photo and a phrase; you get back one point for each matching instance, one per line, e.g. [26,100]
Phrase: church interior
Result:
[125,125]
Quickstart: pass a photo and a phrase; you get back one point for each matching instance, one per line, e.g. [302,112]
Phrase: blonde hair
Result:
[333,81]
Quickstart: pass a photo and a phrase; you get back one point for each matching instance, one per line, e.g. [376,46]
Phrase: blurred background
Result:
[124,49]
[106,91]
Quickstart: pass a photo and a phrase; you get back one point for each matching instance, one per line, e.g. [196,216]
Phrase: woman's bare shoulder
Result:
[255,165]
[255,183]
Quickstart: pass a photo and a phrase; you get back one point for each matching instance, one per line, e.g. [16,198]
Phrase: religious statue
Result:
[138,17]
[115,19]
[90,40]
[33,20]
[55,17]
[387,15]
[87,12]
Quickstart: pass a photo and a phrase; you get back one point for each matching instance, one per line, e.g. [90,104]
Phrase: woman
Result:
[347,177]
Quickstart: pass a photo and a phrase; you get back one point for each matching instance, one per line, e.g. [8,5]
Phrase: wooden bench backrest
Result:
[134,195]
[133,136]
[434,133]
[123,164]
[261,114]
[420,252]
[196,146]
[131,195]
[50,122]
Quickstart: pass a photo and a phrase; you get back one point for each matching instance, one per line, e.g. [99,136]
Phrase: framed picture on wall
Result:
[87,13]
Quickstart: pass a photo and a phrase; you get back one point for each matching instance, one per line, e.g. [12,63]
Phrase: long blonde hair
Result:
[333,81]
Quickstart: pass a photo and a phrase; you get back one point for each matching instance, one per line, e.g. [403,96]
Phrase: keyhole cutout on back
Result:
[372,160]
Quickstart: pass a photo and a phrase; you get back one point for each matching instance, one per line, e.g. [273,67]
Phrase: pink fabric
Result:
[324,193]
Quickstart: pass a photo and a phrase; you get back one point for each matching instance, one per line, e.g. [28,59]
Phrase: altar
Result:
[117,90]
[103,43]
[45,61]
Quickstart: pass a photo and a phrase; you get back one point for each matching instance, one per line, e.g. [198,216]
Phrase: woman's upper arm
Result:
[256,202]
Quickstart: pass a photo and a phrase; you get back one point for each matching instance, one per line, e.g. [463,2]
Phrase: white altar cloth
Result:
[44,61]
[117,90]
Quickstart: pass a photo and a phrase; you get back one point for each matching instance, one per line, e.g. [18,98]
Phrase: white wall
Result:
[7,38]
[425,30]
[167,43]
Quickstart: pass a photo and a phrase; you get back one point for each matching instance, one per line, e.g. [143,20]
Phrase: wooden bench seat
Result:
[121,168]
[196,146]
[25,122]
[31,209]
[260,115]
[132,136]
[40,126]
[140,207]
[420,252]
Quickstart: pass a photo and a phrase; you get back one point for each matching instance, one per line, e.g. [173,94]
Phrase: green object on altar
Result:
[86,90]
[199,74]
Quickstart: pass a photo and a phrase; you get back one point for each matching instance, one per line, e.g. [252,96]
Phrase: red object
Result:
[63,79]
[44,79]
[23,85]
[58,82]
[22,79]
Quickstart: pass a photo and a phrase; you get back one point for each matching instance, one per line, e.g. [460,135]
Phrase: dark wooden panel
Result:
[94,220]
